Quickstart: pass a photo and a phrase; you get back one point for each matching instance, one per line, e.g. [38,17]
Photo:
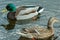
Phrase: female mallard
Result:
[39,33]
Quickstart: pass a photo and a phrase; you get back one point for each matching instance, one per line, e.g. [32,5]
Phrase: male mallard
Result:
[23,12]
[40,33]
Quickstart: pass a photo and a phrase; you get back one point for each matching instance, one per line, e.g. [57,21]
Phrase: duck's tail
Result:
[40,9]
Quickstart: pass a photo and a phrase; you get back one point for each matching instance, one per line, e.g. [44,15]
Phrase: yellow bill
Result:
[4,10]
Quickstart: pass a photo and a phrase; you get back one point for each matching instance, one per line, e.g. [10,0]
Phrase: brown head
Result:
[51,21]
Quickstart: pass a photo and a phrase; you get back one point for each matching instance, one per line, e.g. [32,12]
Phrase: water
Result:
[52,9]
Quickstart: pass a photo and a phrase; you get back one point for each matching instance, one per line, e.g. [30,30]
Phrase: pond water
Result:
[52,9]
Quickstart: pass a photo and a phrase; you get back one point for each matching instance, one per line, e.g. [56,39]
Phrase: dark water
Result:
[52,9]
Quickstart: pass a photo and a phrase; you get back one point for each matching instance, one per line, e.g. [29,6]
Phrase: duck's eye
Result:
[10,9]
[7,7]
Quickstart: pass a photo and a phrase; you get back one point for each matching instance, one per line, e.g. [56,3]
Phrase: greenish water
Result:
[52,9]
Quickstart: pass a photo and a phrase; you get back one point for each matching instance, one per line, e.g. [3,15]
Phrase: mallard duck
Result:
[42,33]
[23,12]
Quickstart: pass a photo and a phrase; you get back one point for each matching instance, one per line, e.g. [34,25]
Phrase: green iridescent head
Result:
[11,7]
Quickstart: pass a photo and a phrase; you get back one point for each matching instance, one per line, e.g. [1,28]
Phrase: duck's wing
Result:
[19,9]
[23,10]
[23,17]
[28,35]
[37,8]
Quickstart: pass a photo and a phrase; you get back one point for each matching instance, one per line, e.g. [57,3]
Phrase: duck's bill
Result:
[57,20]
[4,10]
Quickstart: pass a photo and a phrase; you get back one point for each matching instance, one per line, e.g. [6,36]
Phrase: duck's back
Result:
[26,9]
[44,33]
